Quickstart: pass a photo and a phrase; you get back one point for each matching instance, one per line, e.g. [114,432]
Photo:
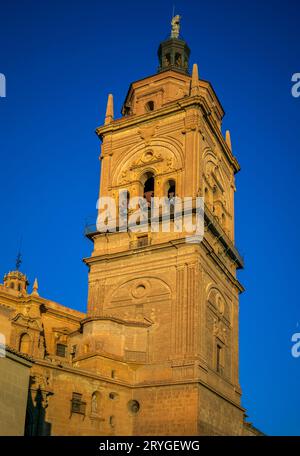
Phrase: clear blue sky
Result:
[62,58]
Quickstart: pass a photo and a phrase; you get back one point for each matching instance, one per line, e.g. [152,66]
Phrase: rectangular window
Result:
[77,405]
[142,241]
[61,350]
[219,359]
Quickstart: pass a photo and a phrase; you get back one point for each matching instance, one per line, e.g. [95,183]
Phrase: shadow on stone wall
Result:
[35,423]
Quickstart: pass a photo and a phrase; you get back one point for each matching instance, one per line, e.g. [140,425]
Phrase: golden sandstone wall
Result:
[14,383]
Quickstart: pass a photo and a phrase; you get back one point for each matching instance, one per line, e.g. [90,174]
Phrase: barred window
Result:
[142,241]
[77,405]
[61,350]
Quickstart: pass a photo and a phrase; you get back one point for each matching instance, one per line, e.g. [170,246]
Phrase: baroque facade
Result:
[156,353]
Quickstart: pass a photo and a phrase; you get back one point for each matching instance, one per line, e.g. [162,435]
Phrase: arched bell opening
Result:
[148,187]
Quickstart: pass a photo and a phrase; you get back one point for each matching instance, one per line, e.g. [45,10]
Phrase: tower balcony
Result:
[214,226]
[211,224]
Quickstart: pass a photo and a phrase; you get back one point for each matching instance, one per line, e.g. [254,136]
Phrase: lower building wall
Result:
[163,410]
[166,410]
[217,416]
[104,407]
[14,382]
[109,408]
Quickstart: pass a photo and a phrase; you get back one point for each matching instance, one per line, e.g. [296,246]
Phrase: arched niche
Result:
[219,304]
[25,343]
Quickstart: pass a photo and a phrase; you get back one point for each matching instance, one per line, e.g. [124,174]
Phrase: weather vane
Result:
[19,257]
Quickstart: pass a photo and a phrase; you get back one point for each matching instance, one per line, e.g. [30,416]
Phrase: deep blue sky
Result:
[62,58]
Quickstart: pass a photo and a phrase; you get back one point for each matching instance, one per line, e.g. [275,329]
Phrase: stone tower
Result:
[162,319]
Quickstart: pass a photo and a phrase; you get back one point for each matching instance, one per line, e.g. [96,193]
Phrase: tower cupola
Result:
[174,53]
[16,280]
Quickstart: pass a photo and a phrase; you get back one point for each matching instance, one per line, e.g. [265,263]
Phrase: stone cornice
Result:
[48,306]
[171,75]
[142,324]
[216,229]
[169,244]
[167,110]
[18,354]
[223,268]
[65,313]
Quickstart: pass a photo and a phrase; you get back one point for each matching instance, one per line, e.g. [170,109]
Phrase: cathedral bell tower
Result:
[162,323]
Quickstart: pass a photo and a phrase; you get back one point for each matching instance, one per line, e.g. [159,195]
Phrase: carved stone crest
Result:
[147,132]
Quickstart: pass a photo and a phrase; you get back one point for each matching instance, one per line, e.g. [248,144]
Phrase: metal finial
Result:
[18,261]
[19,257]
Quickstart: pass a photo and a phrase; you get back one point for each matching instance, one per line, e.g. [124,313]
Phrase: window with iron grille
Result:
[77,405]
[61,350]
[142,241]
